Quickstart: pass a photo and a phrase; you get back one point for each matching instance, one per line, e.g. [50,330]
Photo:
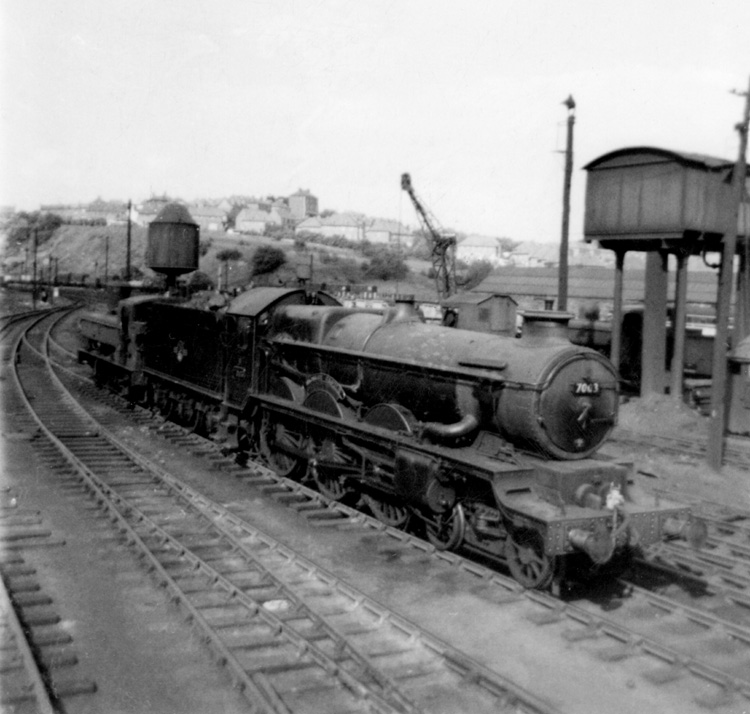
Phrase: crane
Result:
[442,244]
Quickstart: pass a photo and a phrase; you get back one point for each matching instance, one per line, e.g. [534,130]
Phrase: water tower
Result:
[173,243]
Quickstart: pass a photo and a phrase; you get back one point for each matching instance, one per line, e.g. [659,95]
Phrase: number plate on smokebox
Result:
[587,389]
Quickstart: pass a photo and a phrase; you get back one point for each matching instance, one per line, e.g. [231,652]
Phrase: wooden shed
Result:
[481,312]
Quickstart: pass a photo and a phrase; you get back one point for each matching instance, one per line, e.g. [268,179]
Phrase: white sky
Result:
[200,98]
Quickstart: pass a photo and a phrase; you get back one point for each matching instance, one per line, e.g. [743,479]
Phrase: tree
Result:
[266,259]
[228,254]
[386,265]
[199,281]
[476,273]
[508,244]
[24,224]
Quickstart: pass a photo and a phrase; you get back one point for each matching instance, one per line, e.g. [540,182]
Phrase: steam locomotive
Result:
[479,442]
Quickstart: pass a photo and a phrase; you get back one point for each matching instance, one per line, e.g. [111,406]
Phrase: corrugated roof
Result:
[590,282]
[472,298]
[708,163]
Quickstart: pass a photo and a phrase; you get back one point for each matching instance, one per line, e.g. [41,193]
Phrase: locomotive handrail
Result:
[450,372]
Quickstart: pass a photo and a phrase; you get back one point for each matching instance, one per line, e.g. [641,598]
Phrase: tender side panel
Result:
[186,344]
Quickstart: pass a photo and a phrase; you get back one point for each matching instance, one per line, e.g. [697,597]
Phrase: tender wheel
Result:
[446,530]
[163,403]
[528,563]
[247,434]
[392,514]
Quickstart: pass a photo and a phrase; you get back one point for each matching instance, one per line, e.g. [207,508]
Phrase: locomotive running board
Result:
[485,466]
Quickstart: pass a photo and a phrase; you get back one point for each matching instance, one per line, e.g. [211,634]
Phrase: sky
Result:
[206,99]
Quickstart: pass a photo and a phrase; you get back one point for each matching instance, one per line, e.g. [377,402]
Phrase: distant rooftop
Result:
[591,282]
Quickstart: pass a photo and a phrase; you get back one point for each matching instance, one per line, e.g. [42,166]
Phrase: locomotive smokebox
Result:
[173,242]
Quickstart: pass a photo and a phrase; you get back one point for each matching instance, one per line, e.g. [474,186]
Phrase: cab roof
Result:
[257,300]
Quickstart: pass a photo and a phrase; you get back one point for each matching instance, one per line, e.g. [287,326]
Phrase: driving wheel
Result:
[272,436]
[392,514]
[446,530]
[527,561]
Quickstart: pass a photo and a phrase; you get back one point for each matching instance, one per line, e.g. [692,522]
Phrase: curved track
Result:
[679,626]
[294,637]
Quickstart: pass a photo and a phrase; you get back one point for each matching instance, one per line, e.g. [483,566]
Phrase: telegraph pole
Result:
[33,284]
[562,284]
[106,260]
[127,248]
[724,301]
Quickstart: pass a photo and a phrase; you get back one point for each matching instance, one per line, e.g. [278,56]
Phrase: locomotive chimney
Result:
[404,310]
[545,327]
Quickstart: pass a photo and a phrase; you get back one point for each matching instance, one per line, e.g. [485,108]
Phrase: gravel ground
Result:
[454,606]
[686,473]
[134,645]
[128,639]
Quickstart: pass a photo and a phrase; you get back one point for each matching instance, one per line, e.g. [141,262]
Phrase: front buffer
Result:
[589,513]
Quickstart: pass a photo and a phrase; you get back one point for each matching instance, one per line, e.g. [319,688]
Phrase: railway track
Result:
[657,629]
[295,638]
[39,670]
[722,566]
[736,452]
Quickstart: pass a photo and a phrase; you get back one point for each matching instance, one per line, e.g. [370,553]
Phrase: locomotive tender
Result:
[478,441]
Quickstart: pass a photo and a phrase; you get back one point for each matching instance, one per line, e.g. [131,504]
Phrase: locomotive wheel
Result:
[271,434]
[527,561]
[446,530]
[283,463]
[163,402]
[329,479]
[393,417]
[329,483]
[392,514]
[247,432]
[325,468]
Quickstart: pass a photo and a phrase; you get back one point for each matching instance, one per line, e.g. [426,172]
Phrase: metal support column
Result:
[616,344]
[654,350]
[680,320]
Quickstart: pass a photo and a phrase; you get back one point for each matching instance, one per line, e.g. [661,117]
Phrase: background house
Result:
[475,247]
[255,218]
[208,218]
[346,225]
[388,232]
[302,204]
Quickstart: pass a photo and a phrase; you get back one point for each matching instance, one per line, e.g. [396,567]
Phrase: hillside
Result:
[90,251]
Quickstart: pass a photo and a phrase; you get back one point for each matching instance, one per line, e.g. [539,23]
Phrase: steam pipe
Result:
[448,432]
